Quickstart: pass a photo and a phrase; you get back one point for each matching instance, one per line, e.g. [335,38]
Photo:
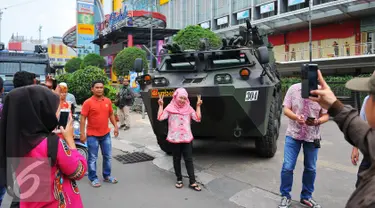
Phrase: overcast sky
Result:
[55,17]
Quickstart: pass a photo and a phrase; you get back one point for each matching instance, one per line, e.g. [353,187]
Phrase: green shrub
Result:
[189,37]
[114,108]
[336,83]
[73,65]
[64,78]
[93,59]
[110,92]
[124,61]
[81,81]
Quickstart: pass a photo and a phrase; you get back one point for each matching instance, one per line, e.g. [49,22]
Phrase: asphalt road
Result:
[143,185]
[232,174]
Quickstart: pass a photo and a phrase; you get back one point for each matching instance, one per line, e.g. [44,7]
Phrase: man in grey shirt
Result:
[72,100]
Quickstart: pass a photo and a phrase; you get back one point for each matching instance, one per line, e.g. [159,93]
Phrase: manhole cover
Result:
[134,157]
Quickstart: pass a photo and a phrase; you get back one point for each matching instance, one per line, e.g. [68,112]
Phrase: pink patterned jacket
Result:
[179,126]
[62,189]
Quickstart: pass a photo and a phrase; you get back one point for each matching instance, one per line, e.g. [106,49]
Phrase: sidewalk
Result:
[140,137]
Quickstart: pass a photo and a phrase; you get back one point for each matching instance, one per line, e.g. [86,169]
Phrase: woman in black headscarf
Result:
[28,119]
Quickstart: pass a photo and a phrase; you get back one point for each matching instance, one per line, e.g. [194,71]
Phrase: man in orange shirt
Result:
[97,110]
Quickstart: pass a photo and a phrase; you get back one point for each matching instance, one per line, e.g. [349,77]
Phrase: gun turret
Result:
[250,35]
[173,47]
[204,44]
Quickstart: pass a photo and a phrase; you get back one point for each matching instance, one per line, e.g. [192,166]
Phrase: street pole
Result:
[40,34]
[151,64]
[151,33]
[1,15]
[310,30]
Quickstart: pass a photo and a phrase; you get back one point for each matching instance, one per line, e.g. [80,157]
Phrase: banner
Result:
[85,27]
[85,19]
[133,84]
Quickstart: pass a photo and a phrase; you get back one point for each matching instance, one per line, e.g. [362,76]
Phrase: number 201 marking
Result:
[251,96]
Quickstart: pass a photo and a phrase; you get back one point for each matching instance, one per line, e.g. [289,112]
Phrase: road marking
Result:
[337,166]
[145,121]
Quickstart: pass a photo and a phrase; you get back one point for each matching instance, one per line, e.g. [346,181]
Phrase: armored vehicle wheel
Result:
[164,144]
[266,146]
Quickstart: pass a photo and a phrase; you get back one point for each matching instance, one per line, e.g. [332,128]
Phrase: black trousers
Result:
[186,150]
[15,204]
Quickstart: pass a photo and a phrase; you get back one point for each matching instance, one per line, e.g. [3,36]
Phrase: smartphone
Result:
[64,117]
[310,118]
[309,76]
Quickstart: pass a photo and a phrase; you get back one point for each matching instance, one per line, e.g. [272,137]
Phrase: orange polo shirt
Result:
[97,111]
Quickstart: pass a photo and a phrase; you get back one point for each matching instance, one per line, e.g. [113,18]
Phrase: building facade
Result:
[58,52]
[22,43]
[340,27]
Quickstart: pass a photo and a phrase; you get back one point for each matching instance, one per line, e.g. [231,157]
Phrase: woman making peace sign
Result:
[179,114]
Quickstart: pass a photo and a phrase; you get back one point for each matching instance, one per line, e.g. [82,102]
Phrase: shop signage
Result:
[115,21]
[205,25]
[162,2]
[85,19]
[294,2]
[87,1]
[222,21]
[243,15]
[267,8]
[86,29]
[85,8]
[85,39]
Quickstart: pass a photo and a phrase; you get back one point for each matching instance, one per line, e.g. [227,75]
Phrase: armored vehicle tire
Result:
[164,144]
[266,146]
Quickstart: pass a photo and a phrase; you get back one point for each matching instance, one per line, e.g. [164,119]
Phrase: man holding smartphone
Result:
[305,118]
[366,161]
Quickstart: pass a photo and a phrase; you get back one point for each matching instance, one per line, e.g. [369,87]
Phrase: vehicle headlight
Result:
[160,81]
[144,79]
[223,79]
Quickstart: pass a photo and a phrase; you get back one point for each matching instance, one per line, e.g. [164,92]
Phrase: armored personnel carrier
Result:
[239,85]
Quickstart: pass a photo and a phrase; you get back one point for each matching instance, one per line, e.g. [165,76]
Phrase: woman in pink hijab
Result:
[179,114]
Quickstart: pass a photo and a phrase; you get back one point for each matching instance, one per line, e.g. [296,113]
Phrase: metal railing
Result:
[322,52]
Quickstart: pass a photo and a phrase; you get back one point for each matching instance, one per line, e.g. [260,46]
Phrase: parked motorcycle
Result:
[81,147]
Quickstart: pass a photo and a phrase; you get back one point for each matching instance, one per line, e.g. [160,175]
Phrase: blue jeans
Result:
[291,151]
[3,191]
[105,144]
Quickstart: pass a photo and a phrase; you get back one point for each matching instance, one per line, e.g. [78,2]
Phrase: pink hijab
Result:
[175,107]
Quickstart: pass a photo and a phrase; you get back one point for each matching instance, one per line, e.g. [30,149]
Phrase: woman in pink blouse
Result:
[51,162]
[179,114]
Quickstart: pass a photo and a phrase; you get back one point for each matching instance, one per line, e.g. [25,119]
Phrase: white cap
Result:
[63,84]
